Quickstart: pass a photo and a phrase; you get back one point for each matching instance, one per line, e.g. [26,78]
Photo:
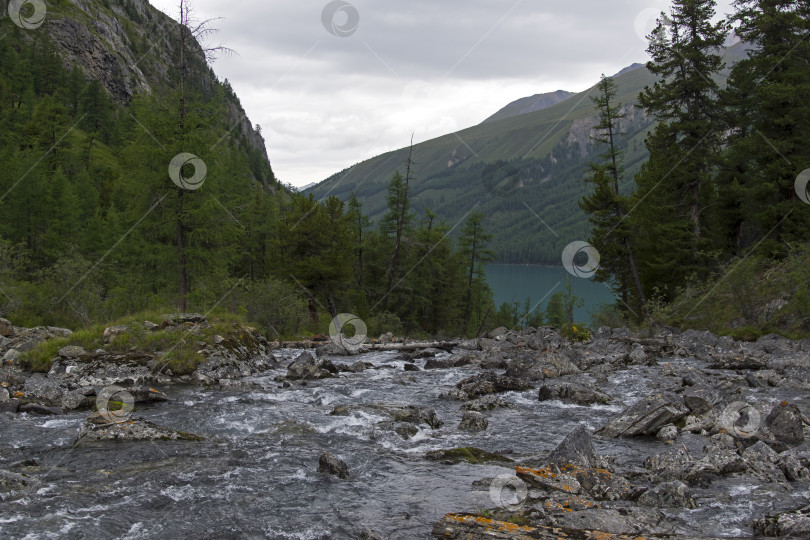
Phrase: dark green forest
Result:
[718,203]
[93,228]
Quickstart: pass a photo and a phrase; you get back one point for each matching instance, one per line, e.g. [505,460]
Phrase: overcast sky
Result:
[333,83]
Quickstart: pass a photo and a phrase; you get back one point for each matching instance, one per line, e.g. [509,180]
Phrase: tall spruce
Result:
[768,99]
[675,186]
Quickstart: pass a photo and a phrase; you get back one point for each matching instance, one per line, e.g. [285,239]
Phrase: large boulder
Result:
[306,367]
[570,392]
[533,367]
[489,382]
[784,424]
[576,449]
[473,421]
[329,464]
[646,417]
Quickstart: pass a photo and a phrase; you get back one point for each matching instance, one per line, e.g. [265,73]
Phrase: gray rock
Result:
[11,356]
[667,433]
[473,421]
[305,367]
[72,351]
[576,449]
[699,399]
[36,408]
[488,382]
[763,462]
[646,417]
[674,494]
[571,393]
[4,395]
[112,331]
[411,367]
[46,389]
[76,399]
[638,356]
[784,424]
[532,367]
[6,328]
[794,524]
[332,465]
[97,428]
[12,405]
[486,403]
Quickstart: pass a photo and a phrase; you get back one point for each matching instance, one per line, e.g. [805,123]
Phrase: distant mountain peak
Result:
[530,104]
[628,69]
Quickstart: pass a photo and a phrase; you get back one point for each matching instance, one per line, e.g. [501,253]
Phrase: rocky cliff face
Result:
[129,46]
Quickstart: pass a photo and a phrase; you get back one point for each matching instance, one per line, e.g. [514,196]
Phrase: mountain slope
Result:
[524,172]
[526,105]
[129,47]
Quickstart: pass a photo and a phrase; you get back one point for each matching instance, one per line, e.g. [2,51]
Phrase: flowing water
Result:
[255,475]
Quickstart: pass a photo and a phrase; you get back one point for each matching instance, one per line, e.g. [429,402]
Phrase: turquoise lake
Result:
[515,282]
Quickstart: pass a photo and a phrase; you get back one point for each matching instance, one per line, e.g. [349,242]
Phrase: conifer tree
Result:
[675,186]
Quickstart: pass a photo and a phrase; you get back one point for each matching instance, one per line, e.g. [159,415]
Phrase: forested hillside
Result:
[133,182]
[514,169]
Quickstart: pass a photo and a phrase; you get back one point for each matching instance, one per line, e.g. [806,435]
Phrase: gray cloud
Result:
[327,102]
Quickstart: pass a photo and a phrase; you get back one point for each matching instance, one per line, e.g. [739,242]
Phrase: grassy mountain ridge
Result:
[535,160]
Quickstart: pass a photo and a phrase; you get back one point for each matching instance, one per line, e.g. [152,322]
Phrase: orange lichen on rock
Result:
[490,524]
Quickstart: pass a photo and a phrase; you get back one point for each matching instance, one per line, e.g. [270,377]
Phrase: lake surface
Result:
[515,282]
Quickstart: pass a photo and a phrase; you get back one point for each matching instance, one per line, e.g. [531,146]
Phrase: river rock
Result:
[400,413]
[794,524]
[10,406]
[608,522]
[4,395]
[667,433]
[700,399]
[46,389]
[468,453]
[570,392]
[531,367]
[473,421]
[475,527]
[576,449]
[489,382]
[411,367]
[95,428]
[674,494]
[305,367]
[37,408]
[646,417]
[331,465]
[784,424]
[486,403]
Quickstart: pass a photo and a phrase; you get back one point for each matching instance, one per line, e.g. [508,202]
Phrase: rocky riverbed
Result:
[515,435]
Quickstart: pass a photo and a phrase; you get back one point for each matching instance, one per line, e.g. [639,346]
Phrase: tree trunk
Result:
[181,256]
